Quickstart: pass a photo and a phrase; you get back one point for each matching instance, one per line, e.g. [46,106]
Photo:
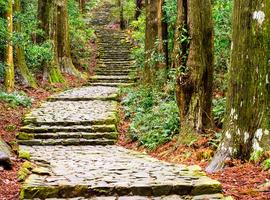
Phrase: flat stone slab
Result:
[170,197]
[74,112]
[110,170]
[88,93]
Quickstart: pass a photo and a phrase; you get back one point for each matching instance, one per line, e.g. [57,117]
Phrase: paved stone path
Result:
[71,141]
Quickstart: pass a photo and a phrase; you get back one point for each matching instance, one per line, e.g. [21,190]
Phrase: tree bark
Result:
[8,57]
[138,10]
[194,82]
[162,36]
[47,15]
[63,41]
[151,33]
[121,14]
[180,47]
[28,78]
[247,124]
[82,6]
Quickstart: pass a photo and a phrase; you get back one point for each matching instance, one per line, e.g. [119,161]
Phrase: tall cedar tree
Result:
[47,15]
[162,35]
[20,63]
[194,38]
[138,11]
[82,5]
[247,124]
[63,41]
[8,56]
[151,33]
[54,22]
[121,14]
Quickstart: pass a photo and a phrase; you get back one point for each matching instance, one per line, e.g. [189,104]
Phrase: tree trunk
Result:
[9,65]
[121,15]
[247,124]
[138,10]
[63,41]
[28,78]
[194,82]
[47,14]
[82,6]
[162,36]
[151,33]
[180,47]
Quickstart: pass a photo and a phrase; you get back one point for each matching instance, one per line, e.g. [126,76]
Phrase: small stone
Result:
[5,161]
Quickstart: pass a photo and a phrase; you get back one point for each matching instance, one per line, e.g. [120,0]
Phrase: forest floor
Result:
[241,180]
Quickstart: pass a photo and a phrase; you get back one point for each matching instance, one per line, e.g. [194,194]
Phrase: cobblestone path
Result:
[71,141]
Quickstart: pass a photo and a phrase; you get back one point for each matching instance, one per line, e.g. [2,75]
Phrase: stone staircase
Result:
[71,141]
[115,64]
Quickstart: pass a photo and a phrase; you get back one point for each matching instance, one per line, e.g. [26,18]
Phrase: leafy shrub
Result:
[266,164]
[16,99]
[222,10]
[154,116]
[79,32]
[129,8]
[219,109]
[37,54]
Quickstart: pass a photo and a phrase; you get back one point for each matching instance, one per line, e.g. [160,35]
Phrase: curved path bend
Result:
[71,139]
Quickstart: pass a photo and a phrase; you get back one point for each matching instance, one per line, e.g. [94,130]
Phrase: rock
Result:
[5,154]
[5,161]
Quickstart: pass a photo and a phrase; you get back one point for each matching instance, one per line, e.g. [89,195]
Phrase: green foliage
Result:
[222,14]
[222,10]
[170,12]
[138,35]
[79,32]
[153,112]
[256,156]
[129,8]
[266,164]
[219,109]
[16,99]
[37,54]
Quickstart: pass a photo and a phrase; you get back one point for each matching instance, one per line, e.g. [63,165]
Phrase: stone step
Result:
[66,142]
[67,135]
[113,51]
[116,68]
[112,70]
[105,121]
[113,84]
[75,128]
[86,171]
[87,94]
[116,64]
[169,197]
[115,56]
[114,45]
[111,79]
[111,73]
